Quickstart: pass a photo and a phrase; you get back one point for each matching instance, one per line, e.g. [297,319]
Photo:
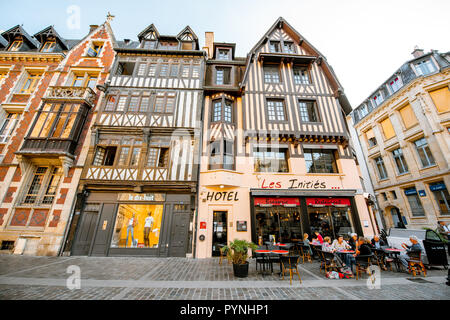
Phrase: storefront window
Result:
[441,196]
[330,217]
[137,226]
[278,219]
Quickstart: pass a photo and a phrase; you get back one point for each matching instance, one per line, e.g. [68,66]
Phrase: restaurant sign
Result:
[276,201]
[327,202]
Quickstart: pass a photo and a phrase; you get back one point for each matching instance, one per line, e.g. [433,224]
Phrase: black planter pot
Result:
[240,270]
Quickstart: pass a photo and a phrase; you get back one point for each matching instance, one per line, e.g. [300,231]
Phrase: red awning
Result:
[276,201]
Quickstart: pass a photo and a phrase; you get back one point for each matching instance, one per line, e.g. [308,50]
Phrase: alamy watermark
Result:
[73,282]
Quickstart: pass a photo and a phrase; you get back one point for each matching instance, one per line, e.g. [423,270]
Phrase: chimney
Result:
[92,27]
[417,52]
[209,43]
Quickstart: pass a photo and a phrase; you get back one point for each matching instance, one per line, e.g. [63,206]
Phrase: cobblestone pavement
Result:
[44,278]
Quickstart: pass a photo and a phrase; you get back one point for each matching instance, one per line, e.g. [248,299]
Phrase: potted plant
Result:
[237,252]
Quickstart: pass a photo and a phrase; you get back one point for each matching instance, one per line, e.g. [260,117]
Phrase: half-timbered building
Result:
[141,173]
[47,101]
[276,161]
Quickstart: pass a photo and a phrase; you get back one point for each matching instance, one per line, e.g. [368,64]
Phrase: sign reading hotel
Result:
[296,184]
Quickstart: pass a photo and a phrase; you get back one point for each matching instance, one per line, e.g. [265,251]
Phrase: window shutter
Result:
[408,117]
[388,130]
[441,99]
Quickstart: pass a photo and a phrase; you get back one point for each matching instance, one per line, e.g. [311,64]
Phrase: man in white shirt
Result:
[147,229]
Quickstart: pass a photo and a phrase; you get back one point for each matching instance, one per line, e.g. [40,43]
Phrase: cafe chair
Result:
[305,253]
[361,264]
[322,260]
[290,263]
[415,264]
[274,258]
[329,262]
[379,258]
[263,260]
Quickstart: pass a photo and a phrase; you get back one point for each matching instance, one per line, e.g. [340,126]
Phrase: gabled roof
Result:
[321,60]
[48,32]
[10,34]
[187,30]
[146,31]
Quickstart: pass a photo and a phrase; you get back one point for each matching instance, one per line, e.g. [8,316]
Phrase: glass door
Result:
[219,232]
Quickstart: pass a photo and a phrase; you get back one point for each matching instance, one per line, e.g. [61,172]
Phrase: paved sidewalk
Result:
[24,277]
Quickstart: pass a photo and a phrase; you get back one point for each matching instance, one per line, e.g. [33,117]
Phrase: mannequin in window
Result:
[147,229]
[132,222]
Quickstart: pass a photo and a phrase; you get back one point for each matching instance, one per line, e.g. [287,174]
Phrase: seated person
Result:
[318,236]
[340,244]
[362,249]
[415,247]
[377,243]
[353,242]
[326,245]
[306,242]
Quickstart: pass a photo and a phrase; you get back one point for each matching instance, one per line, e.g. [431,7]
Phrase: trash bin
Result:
[435,249]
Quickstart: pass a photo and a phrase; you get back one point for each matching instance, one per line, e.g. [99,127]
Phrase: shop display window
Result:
[137,226]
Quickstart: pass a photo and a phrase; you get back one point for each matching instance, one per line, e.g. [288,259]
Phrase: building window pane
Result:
[320,161]
[217,113]
[8,126]
[275,110]
[270,160]
[35,186]
[271,74]
[223,54]
[274,46]
[123,159]
[382,173]
[424,152]
[308,111]
[228,115]
[400,161]
[301,75]
[425,67]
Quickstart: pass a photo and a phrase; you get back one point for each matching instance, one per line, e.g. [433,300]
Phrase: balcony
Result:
[48,147]
[71,94]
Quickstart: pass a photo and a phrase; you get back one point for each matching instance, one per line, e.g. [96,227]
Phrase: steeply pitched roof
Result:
[150,28]
[44,34]
[10,34]
[296,36]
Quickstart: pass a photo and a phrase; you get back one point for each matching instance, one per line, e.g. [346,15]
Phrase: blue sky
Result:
[364,41]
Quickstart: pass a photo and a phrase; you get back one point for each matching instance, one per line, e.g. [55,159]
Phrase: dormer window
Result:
[84,80]
[49,46]
[377,99]
[395,84]
[95,50]
[425,67]
[274,46]
[223,54]
[363,111]
[16,45]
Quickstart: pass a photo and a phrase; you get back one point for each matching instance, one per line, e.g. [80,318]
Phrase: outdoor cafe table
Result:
[394,254]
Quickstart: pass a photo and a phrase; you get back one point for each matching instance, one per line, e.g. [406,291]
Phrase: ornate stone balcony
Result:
[72,94]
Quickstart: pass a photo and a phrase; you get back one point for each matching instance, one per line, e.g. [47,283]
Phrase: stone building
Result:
[48,98]
[403,129]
